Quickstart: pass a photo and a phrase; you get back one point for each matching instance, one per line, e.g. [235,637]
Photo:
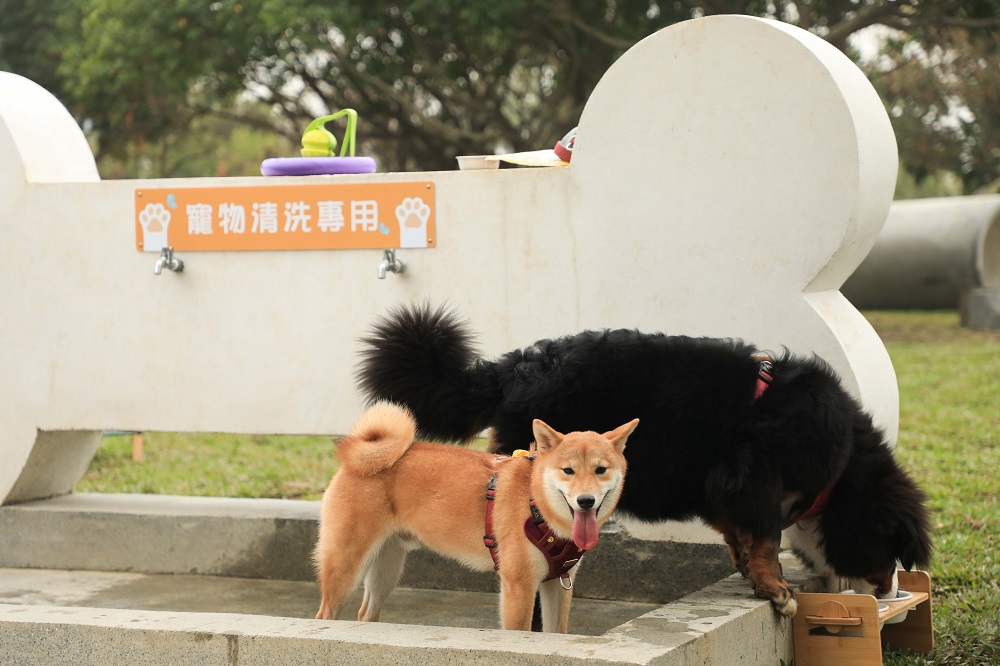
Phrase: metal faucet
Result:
[391,264]
[168,259]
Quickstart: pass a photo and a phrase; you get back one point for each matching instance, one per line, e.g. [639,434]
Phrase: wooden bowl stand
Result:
[842,629]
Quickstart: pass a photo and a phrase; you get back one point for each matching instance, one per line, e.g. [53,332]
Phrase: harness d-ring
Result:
[564,585]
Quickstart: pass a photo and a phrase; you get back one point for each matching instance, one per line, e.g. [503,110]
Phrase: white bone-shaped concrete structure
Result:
[729,174]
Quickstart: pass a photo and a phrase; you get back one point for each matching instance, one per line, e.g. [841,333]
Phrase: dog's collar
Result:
[765,375]
[561,554]
[817,507]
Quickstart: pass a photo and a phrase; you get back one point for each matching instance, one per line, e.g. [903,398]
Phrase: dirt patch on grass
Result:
[922,326]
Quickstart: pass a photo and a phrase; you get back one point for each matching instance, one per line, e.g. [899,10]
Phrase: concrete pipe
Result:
[932,254]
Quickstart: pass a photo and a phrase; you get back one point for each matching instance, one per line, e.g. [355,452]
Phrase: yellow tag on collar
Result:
[520,453]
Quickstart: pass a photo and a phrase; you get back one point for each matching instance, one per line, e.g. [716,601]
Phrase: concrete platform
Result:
[108,579]
[719,625]
[276,598]
[274,539]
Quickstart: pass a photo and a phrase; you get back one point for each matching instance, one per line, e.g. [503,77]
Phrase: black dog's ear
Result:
[914,544]
[910,526]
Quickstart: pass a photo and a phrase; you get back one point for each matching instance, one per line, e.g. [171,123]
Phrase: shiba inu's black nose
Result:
[585,502]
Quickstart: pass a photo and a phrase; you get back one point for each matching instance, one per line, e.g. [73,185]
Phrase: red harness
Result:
[815,508]
[765,376]
[561,554]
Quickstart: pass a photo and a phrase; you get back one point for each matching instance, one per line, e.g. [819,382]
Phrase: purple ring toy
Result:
[316,166]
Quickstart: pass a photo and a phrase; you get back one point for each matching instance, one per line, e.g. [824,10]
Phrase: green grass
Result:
[213,465]
[949,393]
[949,383]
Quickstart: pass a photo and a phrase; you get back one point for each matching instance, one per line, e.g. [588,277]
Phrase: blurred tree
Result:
[211,146]
[433,79]
[29,41]
[139,72]
[941,85]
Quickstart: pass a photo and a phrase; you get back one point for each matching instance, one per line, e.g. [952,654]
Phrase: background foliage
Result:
[161,87]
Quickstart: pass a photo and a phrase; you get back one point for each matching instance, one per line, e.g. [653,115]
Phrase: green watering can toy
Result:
[319,147]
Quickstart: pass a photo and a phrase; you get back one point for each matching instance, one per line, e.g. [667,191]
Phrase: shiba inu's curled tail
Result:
[377,439]
[425,358]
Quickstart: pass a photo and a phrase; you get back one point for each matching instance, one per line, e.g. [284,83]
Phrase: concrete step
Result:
[720,625]
[276,598]
[106,579]
[274,539]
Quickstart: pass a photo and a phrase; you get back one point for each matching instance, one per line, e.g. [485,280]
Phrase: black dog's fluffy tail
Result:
[425,358]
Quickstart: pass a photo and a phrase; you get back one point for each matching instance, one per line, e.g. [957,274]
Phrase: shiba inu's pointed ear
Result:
[619,435]
[545,437]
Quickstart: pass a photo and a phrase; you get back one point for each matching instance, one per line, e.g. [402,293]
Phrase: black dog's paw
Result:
[786,606]
[781,596]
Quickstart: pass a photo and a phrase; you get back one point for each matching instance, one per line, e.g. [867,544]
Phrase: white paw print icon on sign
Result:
[155,219]
[412,215]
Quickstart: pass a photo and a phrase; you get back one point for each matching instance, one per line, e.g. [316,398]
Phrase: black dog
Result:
[747,443]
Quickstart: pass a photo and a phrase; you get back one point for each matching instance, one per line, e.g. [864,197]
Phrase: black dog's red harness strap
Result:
[815,508]
[561,554]
[765,375]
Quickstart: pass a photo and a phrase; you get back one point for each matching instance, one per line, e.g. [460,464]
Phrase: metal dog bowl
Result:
[881,609]
[901,595]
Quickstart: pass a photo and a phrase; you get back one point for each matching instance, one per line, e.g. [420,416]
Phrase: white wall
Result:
[729,174]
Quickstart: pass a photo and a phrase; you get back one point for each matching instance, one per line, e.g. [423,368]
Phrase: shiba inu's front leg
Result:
[381,578]
[555,605]
[517,601]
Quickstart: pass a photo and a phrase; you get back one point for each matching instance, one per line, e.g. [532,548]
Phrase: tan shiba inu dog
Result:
[393,494]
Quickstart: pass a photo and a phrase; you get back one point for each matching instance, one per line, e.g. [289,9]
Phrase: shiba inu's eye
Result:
[568,471]
[600,470]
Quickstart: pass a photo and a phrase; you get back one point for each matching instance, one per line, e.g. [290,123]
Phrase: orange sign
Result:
[286,217]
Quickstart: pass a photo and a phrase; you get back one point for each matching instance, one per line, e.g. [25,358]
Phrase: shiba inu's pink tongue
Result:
[585,529]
